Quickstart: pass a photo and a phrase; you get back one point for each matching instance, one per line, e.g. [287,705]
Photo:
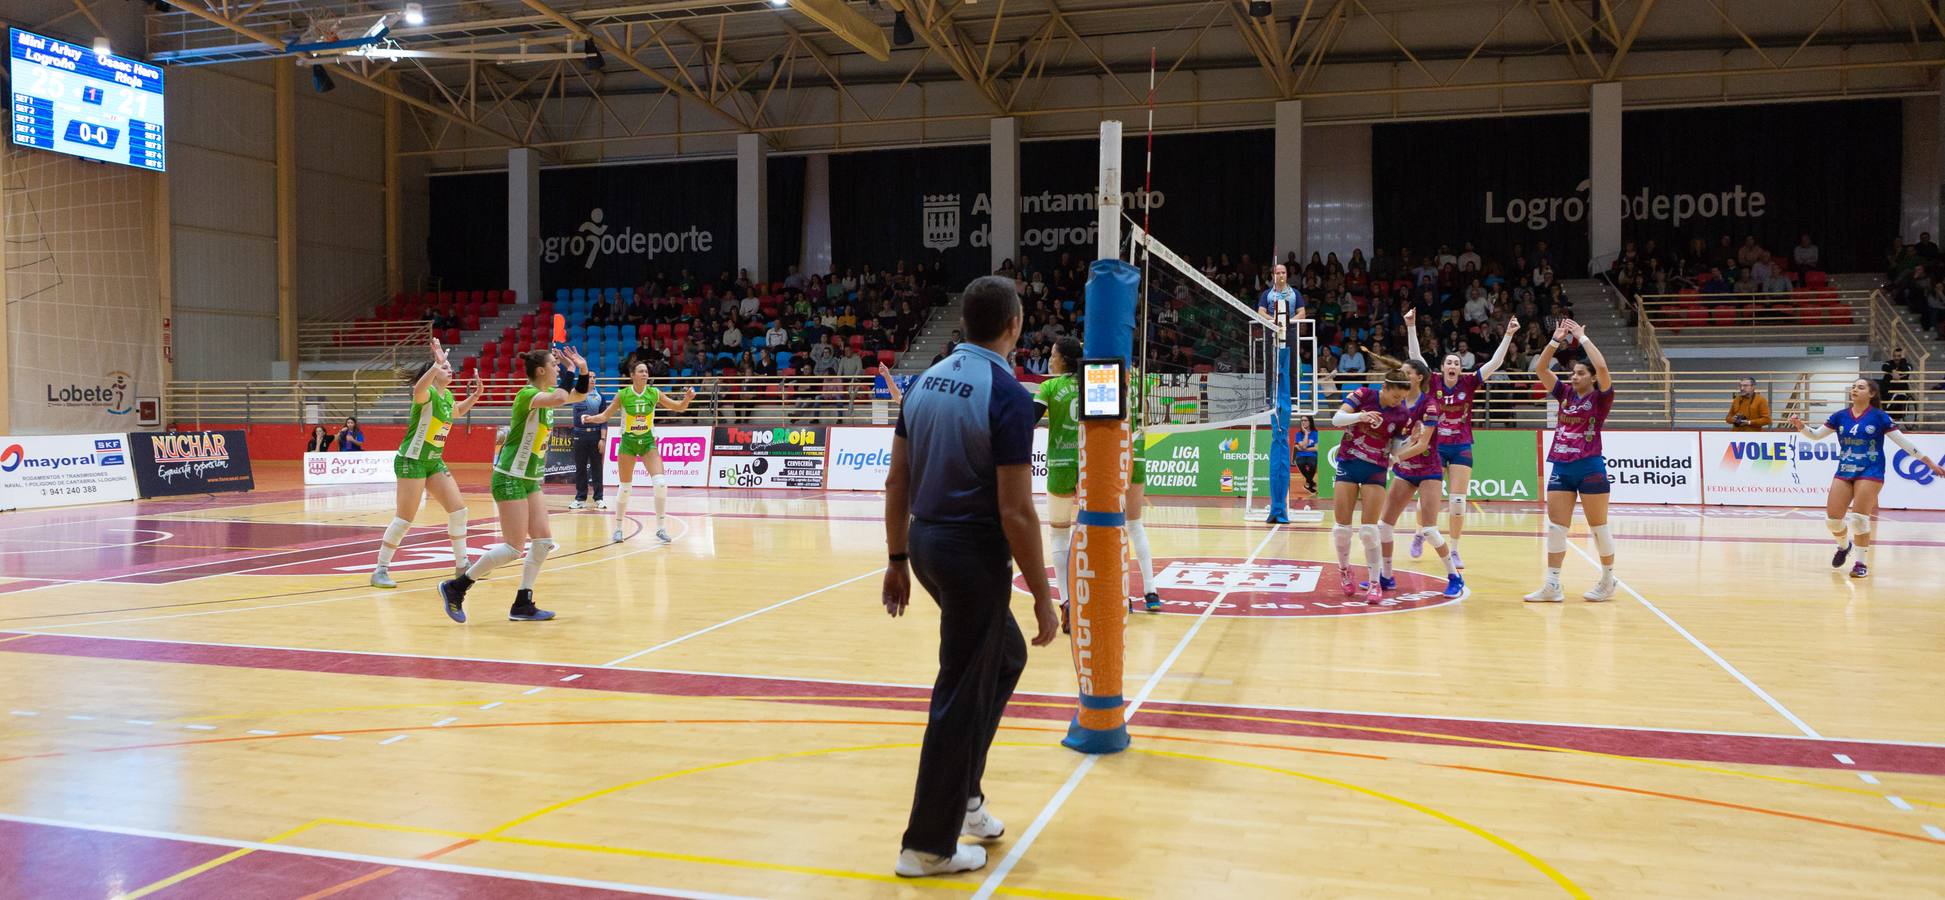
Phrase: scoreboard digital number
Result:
[68,100]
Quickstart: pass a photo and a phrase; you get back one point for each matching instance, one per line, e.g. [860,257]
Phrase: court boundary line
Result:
[1018,851]
[1734,672]
[555,664]
[448,868]
[728,622]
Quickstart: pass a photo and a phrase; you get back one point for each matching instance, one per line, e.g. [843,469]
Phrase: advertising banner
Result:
[1775,468]
[860,459]
[173,463]
[1207,463]
[685,456]
[558,466]
[64,470]
[364,467]
[1505,465]
[771,457]
[1649,466]
[1907,483]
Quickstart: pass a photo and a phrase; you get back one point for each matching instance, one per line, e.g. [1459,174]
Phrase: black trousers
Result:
[968,570]
[1308,466]
[587,466]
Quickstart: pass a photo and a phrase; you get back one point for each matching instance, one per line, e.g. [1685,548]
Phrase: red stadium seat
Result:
[477,297]
[470,322]
[888,358]
[1815,278]
[510,297]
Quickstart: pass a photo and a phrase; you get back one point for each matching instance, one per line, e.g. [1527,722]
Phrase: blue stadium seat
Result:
[578,294]
[560,296]
[783,362]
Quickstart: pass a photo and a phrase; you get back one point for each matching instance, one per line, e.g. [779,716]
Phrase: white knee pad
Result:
[541,547]
[660,481]
[1859,523]
[1836,526]
[456,522]
[1556,538]
[1368,534]
[1432,536]
[395,532]
[1341,535]
[1456,504]
[1603,538]
[1386,532]
[1060,509]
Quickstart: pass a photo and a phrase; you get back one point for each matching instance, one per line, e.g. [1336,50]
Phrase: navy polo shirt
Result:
[963,418]
[1267,303]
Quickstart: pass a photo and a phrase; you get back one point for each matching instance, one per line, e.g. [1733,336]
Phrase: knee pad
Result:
[1836,526]
[1432,536]
[541,546]
[1859,523]
[1603,539]
[660,481]
[1368,533]
[1341,536]
[1456,504]
[1060,509]
[1556,538]
[395,532]
[456,522]
[1386,532]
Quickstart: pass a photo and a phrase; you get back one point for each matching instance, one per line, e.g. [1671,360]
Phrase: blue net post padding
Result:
[1280,442]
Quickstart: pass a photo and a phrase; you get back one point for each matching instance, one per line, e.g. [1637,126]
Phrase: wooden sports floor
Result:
[205,699]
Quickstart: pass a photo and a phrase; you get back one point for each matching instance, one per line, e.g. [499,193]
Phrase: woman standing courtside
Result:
[421,466]
[1861,429]
[637,402]
[1578,468]
[517,471]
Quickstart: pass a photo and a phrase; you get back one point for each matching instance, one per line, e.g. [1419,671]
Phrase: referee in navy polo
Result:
[959,502]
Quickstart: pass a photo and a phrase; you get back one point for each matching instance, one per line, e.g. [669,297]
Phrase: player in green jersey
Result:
[637,403]
[517,469]
[420,465]
[1059,399]
[1138,491]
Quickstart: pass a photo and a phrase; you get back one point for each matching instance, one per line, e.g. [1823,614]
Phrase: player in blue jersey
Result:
[1861,430]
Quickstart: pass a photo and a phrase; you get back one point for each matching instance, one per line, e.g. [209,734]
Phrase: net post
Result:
[1279,449]
[1099,557]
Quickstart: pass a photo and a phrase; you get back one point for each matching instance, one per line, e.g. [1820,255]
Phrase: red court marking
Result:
[59,861]
[1920,759]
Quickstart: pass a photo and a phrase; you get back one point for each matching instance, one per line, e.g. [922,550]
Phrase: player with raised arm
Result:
[637,403]
[1456,390]
[1578,469]
[1415,466]
[1058,399]
[1861,429]
[517,471]
[1372,419]
[421,466]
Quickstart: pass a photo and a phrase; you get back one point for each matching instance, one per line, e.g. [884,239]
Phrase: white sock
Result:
[1063,549]
[492,559]
[1138,535]
[537,550]
[1340,535]
[1607,574]
[1373,557]
[394,534]
[1451,566]
[1387,542]
[1864,555]
[1553,576]
[621,502]
[661,500]
[456,531]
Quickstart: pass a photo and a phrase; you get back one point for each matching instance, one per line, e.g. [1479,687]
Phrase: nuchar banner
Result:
[174,463]
[64,470]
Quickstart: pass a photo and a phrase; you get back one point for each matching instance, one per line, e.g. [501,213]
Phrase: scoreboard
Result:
[68,100]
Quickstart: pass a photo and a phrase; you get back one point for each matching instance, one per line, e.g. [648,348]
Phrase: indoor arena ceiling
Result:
[485,65]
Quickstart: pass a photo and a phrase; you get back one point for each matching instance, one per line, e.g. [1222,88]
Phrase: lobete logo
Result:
[113,397]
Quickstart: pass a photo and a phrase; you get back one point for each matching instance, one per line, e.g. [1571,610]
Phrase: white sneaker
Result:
[662,534]
[600,504]
[1604,590]
[981,824]
[382,578]
[914,864]
[1548,593]
[577,505]
[617,535]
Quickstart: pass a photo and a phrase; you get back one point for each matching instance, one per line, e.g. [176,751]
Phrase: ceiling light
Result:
[102,47]
[779,2]
[414,14]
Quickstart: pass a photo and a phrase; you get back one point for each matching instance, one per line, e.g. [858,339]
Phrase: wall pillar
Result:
[7,379]
[1604,175]
[753,206]
[523,223]
[1005,191]
[1288,181]
[286,129]
[394,259]
[817,215]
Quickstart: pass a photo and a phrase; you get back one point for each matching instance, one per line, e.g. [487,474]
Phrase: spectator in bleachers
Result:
[1748,253]
[766,363]
[1383,267]
[821,360]
[1778,282]
[320,440]
[1935,308]
[601,312]
[1896,383]
[795,281]
[1353,359]
[1916,288]
[1925,249]
[730,339]
[777,335]
[1749,411]
[1469,258]
[351,438]
[1805,254]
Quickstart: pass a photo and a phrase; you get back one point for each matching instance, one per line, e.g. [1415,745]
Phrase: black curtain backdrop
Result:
[467,244]
[655,218]
[1430,185]
[932,205]
[1830,169]
[786,212]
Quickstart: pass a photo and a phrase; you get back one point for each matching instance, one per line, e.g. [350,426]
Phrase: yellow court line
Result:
[231,856]
[731,862]
[1567,884]
[16,637]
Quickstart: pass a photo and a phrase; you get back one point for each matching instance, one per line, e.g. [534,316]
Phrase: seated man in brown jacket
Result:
[1749,411]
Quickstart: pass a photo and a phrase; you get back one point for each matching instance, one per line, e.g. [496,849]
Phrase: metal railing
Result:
[373,344]
[1655,399]
[1809,318]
